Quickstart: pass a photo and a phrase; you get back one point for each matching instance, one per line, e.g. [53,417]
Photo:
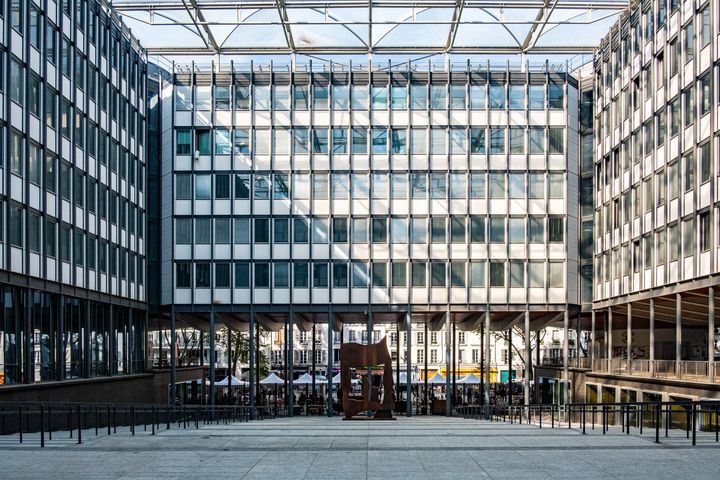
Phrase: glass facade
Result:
[335,182]
[72,214]
[655,150]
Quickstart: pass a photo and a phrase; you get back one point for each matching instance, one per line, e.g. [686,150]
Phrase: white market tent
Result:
[307,379]
[437,379]
[272,379]
[470,379]
[234,382]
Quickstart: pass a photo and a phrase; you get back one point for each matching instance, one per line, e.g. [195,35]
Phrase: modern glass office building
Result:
[72,193]
[452,194]
[655,242]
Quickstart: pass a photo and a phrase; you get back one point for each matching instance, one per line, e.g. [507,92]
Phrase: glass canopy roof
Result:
[370,27]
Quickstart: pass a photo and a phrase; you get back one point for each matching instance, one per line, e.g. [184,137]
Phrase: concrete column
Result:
[330,363]
[528,357]
[173,357]
[425,357]
[314,332]
[537,362]
[652,337]
[629,338]
[711,333]
[678,333]
[486,393]
[251,364]
[592,339]
[408,363]
[448,360]
[510,366]
[291,362]
[370,327]
[566,353]
[212,357]
[229,361]
[608,340]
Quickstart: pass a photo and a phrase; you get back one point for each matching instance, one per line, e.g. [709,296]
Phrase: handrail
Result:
[690,416]
[43,419]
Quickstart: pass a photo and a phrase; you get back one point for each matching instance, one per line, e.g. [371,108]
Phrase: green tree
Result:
[240,349]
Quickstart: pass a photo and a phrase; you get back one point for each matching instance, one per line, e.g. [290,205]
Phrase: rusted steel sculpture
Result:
[355,355]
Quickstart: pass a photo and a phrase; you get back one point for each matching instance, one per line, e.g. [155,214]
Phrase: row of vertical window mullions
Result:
[611,165]
[87,193]
[459,229]
[62,346]
[342,141]
[366,97]
[687,34]
[110,95]
[656,186]
[62,241]
[98,26]
[359,274]
[666,244]
[376,186]
[655,129]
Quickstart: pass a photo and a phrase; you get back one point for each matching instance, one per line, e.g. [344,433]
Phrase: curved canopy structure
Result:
[224,27]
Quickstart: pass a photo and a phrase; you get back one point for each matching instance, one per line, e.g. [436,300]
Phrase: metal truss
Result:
[369,24]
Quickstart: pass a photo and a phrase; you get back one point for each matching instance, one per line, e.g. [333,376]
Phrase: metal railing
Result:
[688,370]
[655,418]
[40,422]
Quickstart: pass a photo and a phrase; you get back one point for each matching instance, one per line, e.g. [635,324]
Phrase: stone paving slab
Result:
[415,448]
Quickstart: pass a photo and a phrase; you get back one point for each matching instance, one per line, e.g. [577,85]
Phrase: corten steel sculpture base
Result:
[355,355]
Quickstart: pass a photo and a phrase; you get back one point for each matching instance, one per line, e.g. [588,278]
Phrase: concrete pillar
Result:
[528,358]
[330,363]
[408,363]
[448,385]
[678,333]
[608,340]
[566,353]
[212,357]
[231,373]
[510,366]
[251,364]
[711,333]
[173,357]
[314,332]
[291,362]
[592,339]
[652,337]
[486,393]
[629,338]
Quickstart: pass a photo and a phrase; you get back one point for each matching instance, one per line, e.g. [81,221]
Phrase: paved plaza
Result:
[322,448]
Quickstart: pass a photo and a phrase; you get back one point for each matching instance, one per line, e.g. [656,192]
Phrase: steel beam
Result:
[457,13]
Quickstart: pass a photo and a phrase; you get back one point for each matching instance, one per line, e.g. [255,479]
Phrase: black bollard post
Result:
[42,426]
[79,425]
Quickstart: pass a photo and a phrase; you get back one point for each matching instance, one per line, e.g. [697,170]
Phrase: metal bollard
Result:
[42,426]
[20,425]
[657,423]
[79,425]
